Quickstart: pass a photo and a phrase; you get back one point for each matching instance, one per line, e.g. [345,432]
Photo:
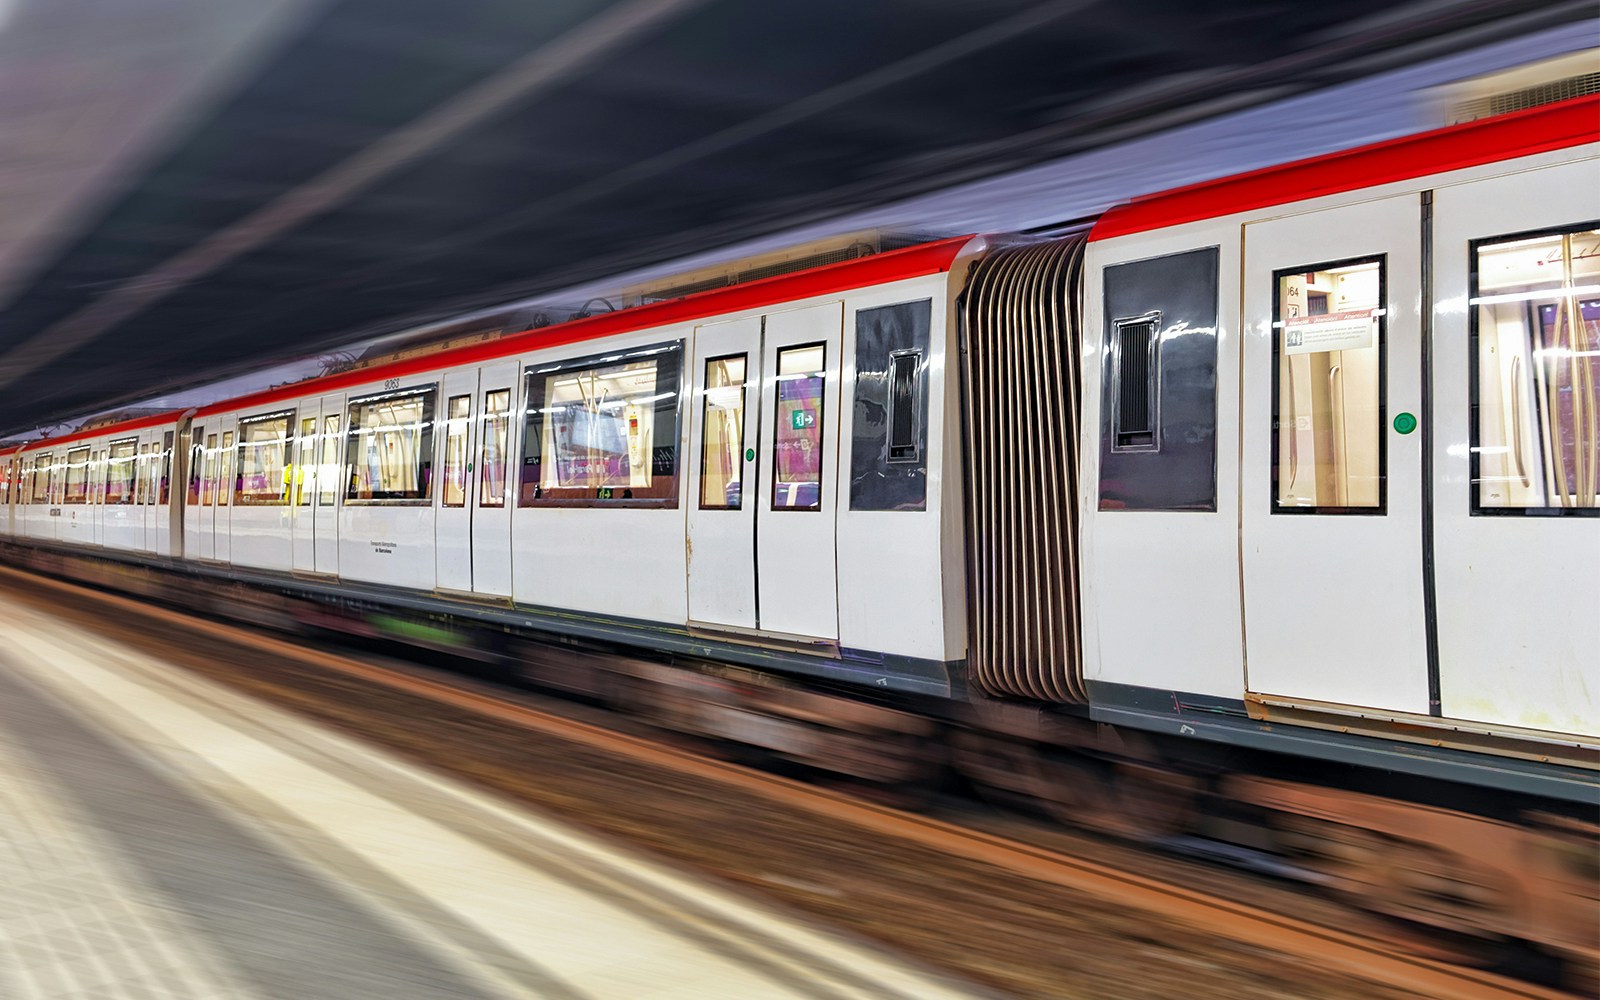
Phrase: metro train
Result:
[1302,461]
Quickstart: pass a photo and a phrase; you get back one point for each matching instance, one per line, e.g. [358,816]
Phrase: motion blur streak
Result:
[540,69]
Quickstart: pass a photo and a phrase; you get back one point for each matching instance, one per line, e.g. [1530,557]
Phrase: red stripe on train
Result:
[1489,140]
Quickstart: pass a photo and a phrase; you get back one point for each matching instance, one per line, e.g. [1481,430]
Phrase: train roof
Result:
[1488,140]
[893,265]
[104,430]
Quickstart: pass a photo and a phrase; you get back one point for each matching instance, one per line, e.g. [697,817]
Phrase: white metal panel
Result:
[795,549]
[890,563]
[1333,602]
[492,553]
[1518,625]
[721,549]
[452,531]
[1178,569]
[387,544]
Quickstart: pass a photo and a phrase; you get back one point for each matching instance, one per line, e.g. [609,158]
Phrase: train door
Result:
[227,480]
[150,451]
[491,514]
[452,532]
[331,480]
[1331,479]
[722,452]
[303,489]
[199,514]
[97,481]
[1516,451]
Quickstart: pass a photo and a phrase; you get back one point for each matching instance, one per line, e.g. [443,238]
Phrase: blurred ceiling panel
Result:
[189,187]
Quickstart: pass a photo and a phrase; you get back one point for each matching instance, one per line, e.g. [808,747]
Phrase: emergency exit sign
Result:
[801,419]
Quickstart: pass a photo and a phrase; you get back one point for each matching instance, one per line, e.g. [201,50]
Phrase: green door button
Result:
[1404,422]
[749,454]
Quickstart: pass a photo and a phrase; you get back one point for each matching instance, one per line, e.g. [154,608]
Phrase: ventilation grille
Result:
[1528,97]
[1135,365]
[1019,401]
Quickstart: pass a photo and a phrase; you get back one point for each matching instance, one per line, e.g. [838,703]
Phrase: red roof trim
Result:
[895,265]
[109,430]
[1489,140]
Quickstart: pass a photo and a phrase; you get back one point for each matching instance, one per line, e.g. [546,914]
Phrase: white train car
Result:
[1320,449]
[109,486]
[1347,439]
[763,466]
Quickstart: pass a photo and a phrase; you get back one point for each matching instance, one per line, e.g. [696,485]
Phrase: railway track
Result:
[1277,938]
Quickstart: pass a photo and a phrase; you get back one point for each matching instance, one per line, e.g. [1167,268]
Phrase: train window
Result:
[196,462]
[122,472]
[1328,381]
[41,479]
[264,475]
[889,435]
[603,431]
[208,484]
[496,430]
[797,434]
[722,435]
[1535,331]
[457,446]
[303,480]
[77,490]
[390,451]
[328,475]
[164,494]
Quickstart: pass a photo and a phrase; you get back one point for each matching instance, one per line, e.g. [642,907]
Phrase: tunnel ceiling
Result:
[356,166]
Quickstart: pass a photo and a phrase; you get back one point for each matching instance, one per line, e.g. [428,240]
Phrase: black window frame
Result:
[1474,439]
[669,380]
[1382,507]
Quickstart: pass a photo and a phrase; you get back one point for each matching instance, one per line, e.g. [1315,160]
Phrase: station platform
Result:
[165,837]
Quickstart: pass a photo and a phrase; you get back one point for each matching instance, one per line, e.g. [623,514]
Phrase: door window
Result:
[722,435]
[1535,322]
[797,436]
[1328,388]
[328,475]
[459,411]
[225,480]
[305,468]
[496,429]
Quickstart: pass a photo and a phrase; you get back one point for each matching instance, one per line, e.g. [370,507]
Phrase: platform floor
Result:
[163,837]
